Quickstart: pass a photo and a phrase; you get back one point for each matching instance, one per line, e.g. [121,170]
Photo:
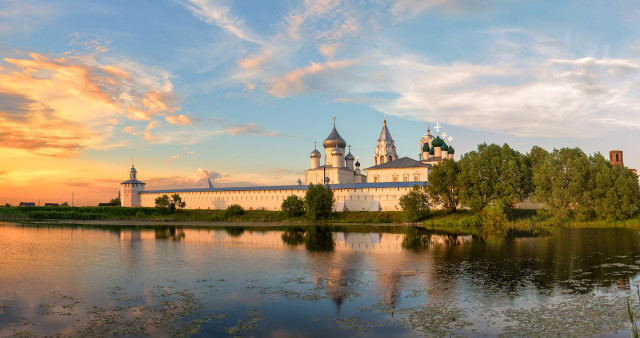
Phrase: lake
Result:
[313,282]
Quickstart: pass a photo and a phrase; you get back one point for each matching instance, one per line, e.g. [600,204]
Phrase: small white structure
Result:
[130,190]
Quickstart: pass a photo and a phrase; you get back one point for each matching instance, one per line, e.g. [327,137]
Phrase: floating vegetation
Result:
[62,306]
[289,294]
[249,322]
[589,315]
[166,313]
[24,333]
[379,307]
[297,280]
[434,320]
[356,324]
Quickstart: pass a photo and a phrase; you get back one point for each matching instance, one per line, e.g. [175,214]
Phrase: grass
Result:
[463,222]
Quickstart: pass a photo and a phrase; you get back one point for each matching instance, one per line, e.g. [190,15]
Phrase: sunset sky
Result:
[238,91]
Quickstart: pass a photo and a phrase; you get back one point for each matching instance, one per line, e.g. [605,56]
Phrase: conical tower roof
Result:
[385,135]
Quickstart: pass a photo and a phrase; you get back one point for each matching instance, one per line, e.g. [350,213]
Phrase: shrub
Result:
[415,204]
[293,206]
[234,210]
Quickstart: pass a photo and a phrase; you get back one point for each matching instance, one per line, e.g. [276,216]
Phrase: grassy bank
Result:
[464,222]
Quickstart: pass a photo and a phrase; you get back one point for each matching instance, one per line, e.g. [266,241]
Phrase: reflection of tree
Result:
[172,233]
[416,240]
[319,238]
[294,236]
[234,231]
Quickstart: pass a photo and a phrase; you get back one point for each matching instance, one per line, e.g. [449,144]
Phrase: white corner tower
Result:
[130,190]
[385,148]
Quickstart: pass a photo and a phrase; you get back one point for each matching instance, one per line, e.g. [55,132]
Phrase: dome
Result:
[451,150]
[334,139]
[315,153]
[444,147]
[349,157]
[437,142]
[425,147]
[337,151]
[432,151]
[133,170]
[357,163]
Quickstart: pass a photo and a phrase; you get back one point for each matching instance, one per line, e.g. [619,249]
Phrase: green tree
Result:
[293,206]
[564,181]
[443,187]
[177,202]
[415,204]
[494,176]
[163,202]
[115,201]
[616,191]
[318,202]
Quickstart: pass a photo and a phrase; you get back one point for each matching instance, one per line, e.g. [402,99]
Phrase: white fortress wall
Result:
[356,197]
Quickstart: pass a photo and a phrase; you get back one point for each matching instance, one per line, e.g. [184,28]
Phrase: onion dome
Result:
[425,147]
[334,139]
[444,147]
[432,151]
[357,162]
[315,153]
[299,182]
[337,151]
[437,142]
[451,150]
[349,157]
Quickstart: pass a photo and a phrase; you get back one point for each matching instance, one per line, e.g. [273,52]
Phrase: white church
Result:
[374,189]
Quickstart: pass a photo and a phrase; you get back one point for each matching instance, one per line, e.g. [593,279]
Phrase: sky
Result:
[238,91]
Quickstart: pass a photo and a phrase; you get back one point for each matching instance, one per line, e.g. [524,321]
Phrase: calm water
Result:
[313,283]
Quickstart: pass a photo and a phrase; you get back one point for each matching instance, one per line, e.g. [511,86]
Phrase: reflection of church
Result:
[374,189]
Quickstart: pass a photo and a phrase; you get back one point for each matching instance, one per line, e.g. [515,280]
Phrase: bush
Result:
[293,206]
[233,210]
[415,204]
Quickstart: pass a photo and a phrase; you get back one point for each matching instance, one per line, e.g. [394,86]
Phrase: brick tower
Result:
[615,157]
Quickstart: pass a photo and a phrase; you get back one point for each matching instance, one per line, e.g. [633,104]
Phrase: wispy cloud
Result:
[216,14]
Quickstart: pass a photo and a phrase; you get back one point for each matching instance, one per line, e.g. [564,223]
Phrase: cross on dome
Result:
[444,135]
[450,139]
[315,144]
[334,120]
[437,127]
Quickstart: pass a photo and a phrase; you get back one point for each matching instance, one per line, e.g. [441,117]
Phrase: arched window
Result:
[390,158]
[405,178]
[416,177]
[376,178]
[395,177]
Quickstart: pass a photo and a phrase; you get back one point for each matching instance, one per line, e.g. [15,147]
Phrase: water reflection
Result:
[372,276]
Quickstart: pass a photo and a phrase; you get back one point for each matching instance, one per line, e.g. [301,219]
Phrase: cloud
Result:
[56,106]
[247,129]
[178,119]
[175,157]
[407,9]
[32,126]
[21,16]
[197,180]
[311,78]
[220,16]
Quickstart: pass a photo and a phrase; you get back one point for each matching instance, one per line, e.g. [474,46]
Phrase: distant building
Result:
[27,204]
[52,204]
[615,157]
[376,188]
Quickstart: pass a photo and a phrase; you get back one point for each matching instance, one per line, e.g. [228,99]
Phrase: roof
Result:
[132,181]
[404,162]
[330,141]
[292,187]
[385,135]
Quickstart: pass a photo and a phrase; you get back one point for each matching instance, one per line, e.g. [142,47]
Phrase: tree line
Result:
[493,179]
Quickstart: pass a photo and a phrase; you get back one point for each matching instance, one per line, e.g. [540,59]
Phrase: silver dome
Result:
[315,153]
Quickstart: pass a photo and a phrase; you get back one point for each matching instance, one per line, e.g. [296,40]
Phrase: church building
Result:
[376,188]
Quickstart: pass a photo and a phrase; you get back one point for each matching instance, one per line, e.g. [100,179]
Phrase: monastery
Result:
[374,189]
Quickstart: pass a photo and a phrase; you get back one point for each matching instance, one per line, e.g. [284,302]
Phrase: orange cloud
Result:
[299,80]
[178,119]
[56,106]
